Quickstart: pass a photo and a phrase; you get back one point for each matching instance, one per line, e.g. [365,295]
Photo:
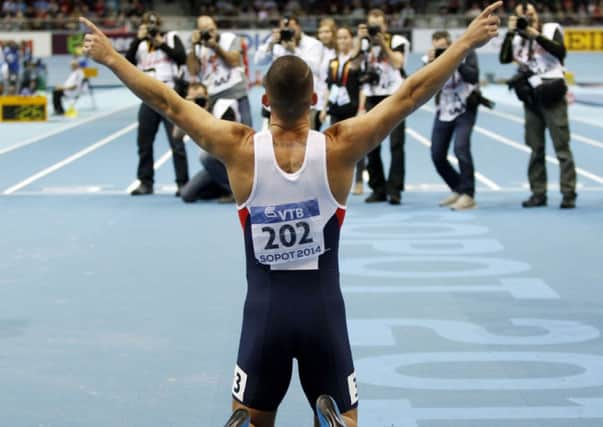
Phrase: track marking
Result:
[526,149]
[483,179]
[71,158]
[166,156]
[62,129]
[520,120]
[573,117]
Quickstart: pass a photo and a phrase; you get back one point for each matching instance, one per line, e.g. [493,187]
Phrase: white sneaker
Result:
[358,188]
[464,203]
[450,200]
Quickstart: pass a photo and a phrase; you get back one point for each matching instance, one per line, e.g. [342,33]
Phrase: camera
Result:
[205,36]
[152,31]
[438,51]
[201,101]
[522,21]
[521,85]
[287,34]
[373,30]
[370,76]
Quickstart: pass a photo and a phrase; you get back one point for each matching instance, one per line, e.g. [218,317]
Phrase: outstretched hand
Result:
[96,45]
[485,27]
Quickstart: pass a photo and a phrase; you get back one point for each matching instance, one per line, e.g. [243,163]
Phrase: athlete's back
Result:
[294,307]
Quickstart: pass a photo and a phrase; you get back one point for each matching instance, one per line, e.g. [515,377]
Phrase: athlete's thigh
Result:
[325,359]
[264,362]
[258,418]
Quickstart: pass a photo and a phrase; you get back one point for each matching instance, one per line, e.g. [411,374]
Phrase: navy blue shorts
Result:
[301,315]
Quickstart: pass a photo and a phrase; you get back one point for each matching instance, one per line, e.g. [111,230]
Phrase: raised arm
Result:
[220,138]
[359,135]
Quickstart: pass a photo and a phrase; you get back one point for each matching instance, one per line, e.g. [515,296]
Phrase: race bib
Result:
[287,232]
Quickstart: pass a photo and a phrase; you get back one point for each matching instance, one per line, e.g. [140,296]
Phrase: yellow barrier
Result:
[90,72]
[23,109]
[585,39]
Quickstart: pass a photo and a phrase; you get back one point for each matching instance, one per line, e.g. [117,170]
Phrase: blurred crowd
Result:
[126,14]
[20,72]
[63,14]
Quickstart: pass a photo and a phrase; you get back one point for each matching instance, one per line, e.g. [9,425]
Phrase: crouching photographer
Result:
[539,83]
[211,182]
[456,112]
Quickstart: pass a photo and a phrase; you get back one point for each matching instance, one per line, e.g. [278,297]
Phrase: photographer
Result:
[160,55]
[345,99]
[289,39]
[383,75]
[216,58]
[456,111]
[211,182]
[539,50]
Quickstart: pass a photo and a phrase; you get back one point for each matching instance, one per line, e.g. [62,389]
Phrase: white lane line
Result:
[526,149]
[520,120]
[166,156]
[572,117]
[62,129]
[71,158]
[480,177]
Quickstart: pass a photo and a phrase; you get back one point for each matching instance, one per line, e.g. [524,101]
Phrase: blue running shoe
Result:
[328,413]
[239,418]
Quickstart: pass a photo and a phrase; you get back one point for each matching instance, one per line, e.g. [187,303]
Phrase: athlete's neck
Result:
[283,130]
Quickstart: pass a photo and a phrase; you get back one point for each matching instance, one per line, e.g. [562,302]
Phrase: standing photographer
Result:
[539,50]
[383,75]
[216,58]
[456,111]
[345,99]
[289,39]
[160,55]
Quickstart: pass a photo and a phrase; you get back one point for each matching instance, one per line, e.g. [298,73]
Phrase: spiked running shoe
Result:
[328,413]
[239,418]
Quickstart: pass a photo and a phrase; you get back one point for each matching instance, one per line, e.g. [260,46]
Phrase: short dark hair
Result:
[437,35]
[196,85]
[289,84]
[377,13]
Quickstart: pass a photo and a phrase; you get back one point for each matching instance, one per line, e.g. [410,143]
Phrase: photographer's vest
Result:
[155,62]
[542,63]
[390,78]
[215,73]
[452,99]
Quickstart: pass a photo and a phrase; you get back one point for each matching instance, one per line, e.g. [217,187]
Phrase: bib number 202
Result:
[287,235]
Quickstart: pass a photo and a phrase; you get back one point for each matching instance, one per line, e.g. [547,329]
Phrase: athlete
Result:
[291,186]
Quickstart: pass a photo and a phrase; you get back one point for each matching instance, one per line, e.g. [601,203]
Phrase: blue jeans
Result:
[462,182]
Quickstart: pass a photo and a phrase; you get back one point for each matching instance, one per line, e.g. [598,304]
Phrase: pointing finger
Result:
[93,28]
[492,8]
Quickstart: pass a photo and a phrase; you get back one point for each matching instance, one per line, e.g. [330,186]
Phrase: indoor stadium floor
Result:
[121,311]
